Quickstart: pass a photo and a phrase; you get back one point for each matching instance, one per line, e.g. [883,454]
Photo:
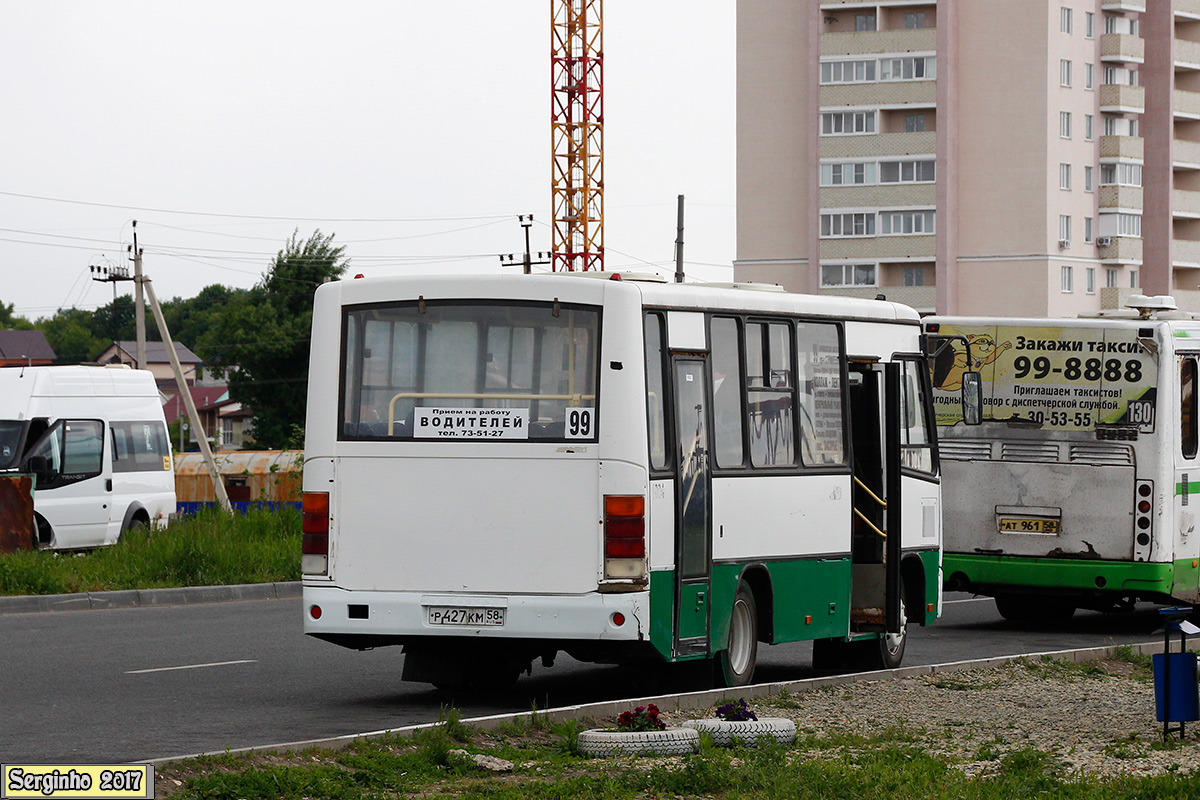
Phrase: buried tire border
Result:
[669,742]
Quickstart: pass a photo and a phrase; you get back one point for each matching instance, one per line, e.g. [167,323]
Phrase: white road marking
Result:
[191,666]
[969,600]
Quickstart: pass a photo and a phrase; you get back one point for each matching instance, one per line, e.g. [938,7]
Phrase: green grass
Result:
[208,549]
[834,768]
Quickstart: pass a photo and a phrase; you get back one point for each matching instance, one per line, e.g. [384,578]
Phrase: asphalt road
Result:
[111,686]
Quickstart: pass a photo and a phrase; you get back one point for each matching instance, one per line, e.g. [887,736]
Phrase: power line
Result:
[250,216]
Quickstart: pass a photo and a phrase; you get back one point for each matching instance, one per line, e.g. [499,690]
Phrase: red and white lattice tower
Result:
[577,134]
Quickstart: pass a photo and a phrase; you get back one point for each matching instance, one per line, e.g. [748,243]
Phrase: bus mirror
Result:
[972,398]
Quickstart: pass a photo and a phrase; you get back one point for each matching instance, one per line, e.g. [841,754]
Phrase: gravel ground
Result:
[1095,718]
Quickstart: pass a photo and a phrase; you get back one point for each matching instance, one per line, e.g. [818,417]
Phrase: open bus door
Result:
[878,623]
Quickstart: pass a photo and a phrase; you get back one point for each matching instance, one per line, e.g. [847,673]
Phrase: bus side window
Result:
[656,410]
[770,394]
[1188,434]
[819,382]
[727,393]
[916,441]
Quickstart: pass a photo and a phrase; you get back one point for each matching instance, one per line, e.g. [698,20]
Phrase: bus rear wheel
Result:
[1034,609]
[735,664]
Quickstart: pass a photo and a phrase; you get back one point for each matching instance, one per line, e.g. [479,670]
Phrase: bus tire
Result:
[735,664]
[1031,609]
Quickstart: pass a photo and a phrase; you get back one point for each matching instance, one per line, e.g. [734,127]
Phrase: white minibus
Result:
[95,439]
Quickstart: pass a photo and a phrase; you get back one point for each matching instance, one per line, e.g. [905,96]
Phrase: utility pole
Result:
[139,303]
[510,260]
[185,393]
[679,244]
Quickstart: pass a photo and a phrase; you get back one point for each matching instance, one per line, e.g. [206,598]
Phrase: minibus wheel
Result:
[735,664]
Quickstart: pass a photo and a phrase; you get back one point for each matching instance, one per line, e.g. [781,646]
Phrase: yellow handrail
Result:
[871,494]
[870,524]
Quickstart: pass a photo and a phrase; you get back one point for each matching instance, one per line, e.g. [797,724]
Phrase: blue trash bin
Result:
[1183,692]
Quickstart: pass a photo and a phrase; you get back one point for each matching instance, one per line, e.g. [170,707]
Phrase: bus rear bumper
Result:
[344,616]
[991,575]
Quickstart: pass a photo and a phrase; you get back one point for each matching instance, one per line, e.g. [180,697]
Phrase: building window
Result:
[847,274]
[1064,176]
[1068,279]
[1087,178]
[1087,229]
[1121,174]
[1064,72]
[1064,229]
[1089,76]
[1110,277]
[1088,126]
[864,22]
[914,276]
[1119,76]
[848,173]
[1110,126]
[914,123]
[1129,225]
[1089,276]
[1064,124]
[906,223]
[914,20]
[848,71]
[847,122]
[1089,24]
[908,68]
[1065,20]
[1133,279]
[907,171]
[851,224]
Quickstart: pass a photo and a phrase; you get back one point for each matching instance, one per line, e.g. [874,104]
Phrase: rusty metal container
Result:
[16,513]
[250,476]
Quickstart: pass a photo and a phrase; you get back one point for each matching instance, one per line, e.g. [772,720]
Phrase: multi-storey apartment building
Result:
[1024,157]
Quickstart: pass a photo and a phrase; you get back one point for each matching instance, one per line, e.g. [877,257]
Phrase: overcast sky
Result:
[413,131]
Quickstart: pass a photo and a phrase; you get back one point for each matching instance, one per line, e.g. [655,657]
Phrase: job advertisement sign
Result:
[1057,378]
[471,423]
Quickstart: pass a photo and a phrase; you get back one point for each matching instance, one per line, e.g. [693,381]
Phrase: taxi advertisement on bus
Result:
[1066,378]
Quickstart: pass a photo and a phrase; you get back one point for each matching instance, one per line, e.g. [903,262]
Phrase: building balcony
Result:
[1185,204]
[882,195]
[1122,48]
[1138,6]
[1120,99]
[867,42]
[1187,54]
[1185,253]
[1188,9]
[1132,148]
[879,248]
[1187,104]
[1113,197]
[880,144]
[922,298]
[1119,250]
[1185,154]
[883,93]
[838,5]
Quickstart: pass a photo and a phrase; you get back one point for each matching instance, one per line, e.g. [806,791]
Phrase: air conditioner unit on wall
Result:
[1103,241]
[1064,243]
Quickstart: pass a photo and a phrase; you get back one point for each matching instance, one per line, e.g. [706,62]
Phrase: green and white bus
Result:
[1075,491]
[500,469]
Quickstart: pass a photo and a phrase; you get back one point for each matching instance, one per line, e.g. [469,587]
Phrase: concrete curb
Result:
[143,598]
[693,700]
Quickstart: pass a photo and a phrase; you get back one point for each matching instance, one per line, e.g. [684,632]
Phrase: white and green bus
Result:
[1075,490]
[500,469]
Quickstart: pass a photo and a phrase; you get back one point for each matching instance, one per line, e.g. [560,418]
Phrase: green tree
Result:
[10,320]
[69,332]
[263,337]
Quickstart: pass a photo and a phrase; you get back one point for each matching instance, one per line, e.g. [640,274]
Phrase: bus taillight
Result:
[314,544]
[1143,520]
[624,536]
